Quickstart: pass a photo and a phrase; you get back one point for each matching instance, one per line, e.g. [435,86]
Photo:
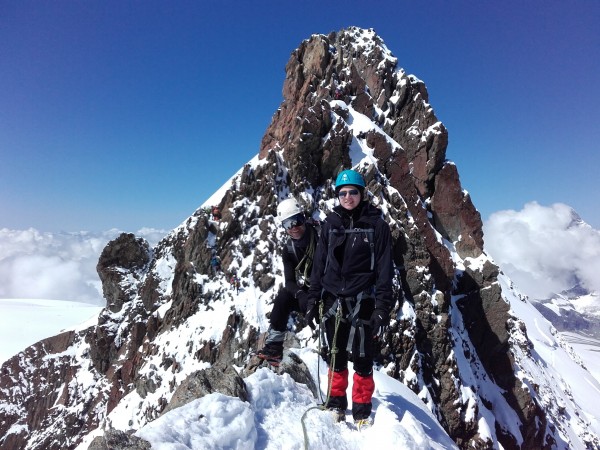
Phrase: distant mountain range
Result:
[575,310]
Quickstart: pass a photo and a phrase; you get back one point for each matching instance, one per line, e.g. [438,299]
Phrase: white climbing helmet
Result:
[288,208]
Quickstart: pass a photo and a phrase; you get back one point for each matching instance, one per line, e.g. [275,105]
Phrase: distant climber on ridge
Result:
[215,263]
[216,213]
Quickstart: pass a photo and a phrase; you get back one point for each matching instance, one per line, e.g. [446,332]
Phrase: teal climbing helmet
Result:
[346,177]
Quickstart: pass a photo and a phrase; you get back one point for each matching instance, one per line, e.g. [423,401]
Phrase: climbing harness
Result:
[353,305]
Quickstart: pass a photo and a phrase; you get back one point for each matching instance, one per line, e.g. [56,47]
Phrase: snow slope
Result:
[23,322]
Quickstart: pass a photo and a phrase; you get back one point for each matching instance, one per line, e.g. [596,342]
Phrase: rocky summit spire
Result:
[453,338]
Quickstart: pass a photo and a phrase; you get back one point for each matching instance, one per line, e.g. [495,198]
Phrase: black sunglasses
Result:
[353,192]
[293,221]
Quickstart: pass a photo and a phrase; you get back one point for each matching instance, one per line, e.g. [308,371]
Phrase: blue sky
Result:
[131,114]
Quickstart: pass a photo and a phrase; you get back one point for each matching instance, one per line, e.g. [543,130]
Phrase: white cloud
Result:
[544,249]
[60,266]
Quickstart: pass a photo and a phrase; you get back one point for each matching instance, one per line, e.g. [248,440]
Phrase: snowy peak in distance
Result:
[573,310]
[575,292]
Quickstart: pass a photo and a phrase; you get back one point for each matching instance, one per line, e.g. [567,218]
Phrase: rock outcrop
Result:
[119,440]
[346,104]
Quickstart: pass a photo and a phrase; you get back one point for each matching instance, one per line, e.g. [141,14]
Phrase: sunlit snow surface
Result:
[23,322]
[274,416]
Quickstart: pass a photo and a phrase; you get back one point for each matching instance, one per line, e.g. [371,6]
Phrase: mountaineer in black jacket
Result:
[353,271]
[297,264]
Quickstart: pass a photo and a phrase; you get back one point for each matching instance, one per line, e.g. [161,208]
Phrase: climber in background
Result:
[215,263]
[216,213]
[235,283]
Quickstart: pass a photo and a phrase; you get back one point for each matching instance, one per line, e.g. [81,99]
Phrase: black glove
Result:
[312,310]
[380,319]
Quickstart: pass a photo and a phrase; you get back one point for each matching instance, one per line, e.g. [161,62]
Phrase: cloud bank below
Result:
[58,266]
[544,249]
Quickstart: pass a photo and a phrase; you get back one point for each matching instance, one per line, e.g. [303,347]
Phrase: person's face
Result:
[349,197]
[296,232]
[294,226]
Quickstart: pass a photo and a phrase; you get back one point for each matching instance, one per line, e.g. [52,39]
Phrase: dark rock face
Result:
[36,381]
[124,253]
[153,293]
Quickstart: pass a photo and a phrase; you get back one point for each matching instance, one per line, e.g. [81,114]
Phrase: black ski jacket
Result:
[293,253]
[342,262]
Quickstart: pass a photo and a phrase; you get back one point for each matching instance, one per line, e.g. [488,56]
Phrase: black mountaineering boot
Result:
[272,353]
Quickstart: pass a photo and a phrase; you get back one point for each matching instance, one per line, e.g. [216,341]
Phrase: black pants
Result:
[363,365]
[283,305]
